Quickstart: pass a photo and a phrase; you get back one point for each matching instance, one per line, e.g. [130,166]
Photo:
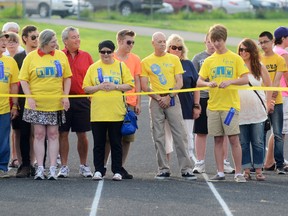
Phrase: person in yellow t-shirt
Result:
[164,70]
[8,84]
[46,71]
[276,66]
[106,79]
[125,42]
[223,68]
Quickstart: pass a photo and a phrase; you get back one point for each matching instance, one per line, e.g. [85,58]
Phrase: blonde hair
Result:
[177,39]
[13,37]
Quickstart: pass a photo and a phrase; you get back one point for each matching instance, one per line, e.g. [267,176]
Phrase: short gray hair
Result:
[66,31]
[10,25]
[45,37]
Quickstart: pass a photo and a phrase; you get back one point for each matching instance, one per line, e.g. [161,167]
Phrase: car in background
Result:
[266,4]
[166,9]
[126,7]
[81,5]
[191,5]
[233,6]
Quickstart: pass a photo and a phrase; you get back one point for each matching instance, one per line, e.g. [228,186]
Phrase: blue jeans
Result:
[276,119]
[252,133]
[4,141]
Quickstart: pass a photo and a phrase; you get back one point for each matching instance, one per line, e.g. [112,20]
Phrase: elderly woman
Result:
[8,84]
[13,46]
[189,100]
[253,113]
[107,79]
[46,71]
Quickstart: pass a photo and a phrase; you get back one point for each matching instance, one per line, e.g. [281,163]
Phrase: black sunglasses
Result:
[33,37]
[180,48]
[130,42]
[105,52]
[243,49]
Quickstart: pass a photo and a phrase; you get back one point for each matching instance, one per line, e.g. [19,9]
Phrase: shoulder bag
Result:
[267,123]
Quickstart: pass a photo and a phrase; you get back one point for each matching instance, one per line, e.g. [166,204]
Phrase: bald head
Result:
[159,43]
[158,35]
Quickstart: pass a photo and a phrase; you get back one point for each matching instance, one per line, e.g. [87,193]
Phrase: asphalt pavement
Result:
[140,30]
[77,196]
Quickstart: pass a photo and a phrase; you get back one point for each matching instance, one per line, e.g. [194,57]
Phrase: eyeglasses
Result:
[108,52]
[129,42]
[243,49]
[180,48]
[12,42]
[33,37]
[263,42]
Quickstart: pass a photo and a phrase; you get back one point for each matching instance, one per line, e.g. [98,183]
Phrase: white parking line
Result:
[215,192]
[96,200]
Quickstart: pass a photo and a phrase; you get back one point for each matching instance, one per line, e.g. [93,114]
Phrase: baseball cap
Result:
[281,32]
[3,34]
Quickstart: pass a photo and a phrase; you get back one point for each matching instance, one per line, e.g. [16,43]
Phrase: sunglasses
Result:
[243,49]
[130,42]
[108,52]
[180,48]
[33,37]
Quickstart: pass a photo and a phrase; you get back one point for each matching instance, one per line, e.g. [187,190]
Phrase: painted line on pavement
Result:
[97,197]
[215,192]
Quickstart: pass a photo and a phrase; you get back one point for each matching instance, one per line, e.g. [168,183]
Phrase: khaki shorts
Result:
[216,126]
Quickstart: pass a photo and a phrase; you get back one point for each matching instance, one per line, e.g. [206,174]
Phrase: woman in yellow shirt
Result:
[106,79]
[46,71]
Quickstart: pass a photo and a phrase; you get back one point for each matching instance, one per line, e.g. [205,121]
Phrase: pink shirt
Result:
[280,51]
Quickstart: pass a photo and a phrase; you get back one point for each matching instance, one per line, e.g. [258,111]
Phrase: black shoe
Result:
[32,170]
[162,176]
[252,170]
[125,174]
[23,172]
[280,171]
[189,176]
[272,168]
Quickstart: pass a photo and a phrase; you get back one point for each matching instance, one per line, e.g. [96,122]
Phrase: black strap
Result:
[258,96]
[122,91]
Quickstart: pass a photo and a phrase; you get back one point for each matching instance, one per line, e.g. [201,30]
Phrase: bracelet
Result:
[197,106]
[15,107]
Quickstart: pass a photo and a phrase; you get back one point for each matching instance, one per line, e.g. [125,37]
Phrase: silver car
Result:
[232,6]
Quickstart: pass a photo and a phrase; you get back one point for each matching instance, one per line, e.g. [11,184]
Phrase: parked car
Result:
[266,4]
[126,7]
[233,6]
[81,5]
[190,5]
[166,9]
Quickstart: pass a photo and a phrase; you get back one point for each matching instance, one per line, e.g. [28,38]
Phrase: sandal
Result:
[260,177]
[271,168]
[247,176]
[14,163]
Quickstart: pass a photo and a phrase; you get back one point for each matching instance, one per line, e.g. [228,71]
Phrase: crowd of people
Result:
[88,95]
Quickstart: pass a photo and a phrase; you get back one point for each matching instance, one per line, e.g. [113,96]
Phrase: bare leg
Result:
[82,146]
[64,147]
[53,144]
[225,147]
[269,161]
[236,152]
[218,153]
[39,139]
[125,150]
[200,146]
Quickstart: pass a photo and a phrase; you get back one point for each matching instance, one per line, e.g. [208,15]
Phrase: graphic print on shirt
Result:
[222,72]
[103,78]
[4,76]
[156,69]
[272,68]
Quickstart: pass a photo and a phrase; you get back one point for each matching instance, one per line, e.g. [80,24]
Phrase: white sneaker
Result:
[97,176]
[117,177]
[199,167]
[63,172]
[85,171]
[227,168]
[39,175]
[52,173]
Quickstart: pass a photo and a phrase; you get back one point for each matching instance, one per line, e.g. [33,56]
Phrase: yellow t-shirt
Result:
[273,64]
[161,70]
[42,76]
[108,106]
[218,68]
[11,72]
